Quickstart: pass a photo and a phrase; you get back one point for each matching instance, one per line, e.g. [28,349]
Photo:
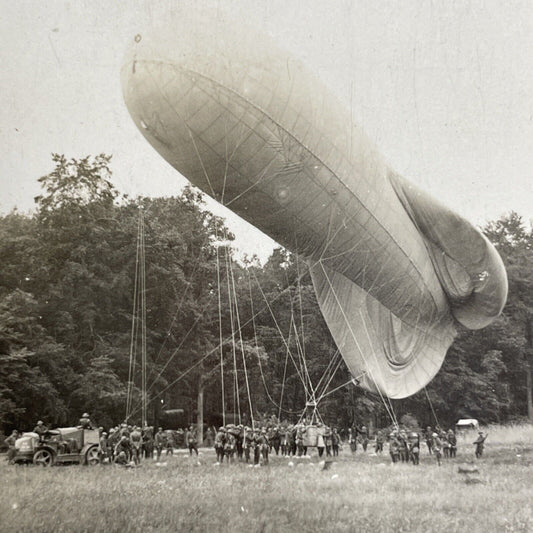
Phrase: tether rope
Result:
[370,373]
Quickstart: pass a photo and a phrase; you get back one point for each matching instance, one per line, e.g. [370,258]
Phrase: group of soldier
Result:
[127,444]
[255,444]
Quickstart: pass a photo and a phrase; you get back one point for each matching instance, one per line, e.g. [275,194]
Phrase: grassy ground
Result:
[358,493]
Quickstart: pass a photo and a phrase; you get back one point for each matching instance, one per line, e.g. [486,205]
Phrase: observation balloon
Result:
[394,271]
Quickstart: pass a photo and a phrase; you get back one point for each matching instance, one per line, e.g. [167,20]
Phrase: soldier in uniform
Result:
[40,429]
[136,444]
[103,447]
[239,434]
[191,440]
[403,447]
[452,439]
[300,430]
[394,447]
[257,447]
[121,459]
[169,448]
[85,422]
[10,442]
[379,442]
[436,446]
[327,440]
[229,446]
[363,432]
[445,444]
[220,440]
[274,439]
[247,443]
[265,446]
[209,437]
[429,439]
[479,443]
[112,440]
[414,448]
[291,441]
[352,441]
[335,442]
[160,440]
[320,443]
[123,445]
[148,442]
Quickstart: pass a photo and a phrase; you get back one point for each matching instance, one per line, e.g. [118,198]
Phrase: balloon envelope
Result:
[393,270]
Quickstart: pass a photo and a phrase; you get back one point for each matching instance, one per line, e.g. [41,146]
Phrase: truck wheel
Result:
[43,458]
[91,457]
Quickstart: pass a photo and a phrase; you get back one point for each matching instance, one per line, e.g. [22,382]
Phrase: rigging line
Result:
[260,178]
[331,375]
[175,352]
[214,349]
[302,378]
[262,310]
[178,379]
[300,298]
[284,375]
[244,134]
[301,360]
[329,380]
[257,350]
[291,326]
[431,405]
[236,400]
[332,362]
[220,335]
[341,386]
[242,345]
[370,373]
[395,420]
[299,349]
[182,299]
[189,131]
[143,323]
[132,341]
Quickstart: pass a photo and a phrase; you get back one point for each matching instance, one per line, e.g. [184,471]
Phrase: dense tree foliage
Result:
[240,336]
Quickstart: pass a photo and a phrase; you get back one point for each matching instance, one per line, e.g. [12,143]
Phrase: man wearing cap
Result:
[479,443]
[429,439]
[264,445]
[148,442]
[40,429]
[103,451]
[85,422]
[229,445]
[452,439]
[436,446]
[247,443]
[220,440]
[160,440]
[10,442]
[191,440]
[136,444]
[257,446]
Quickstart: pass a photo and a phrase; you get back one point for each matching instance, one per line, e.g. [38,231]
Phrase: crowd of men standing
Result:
[127,444]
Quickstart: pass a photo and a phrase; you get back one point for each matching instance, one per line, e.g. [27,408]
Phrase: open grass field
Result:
[359,492]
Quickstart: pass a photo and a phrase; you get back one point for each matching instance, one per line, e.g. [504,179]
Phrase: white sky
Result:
[443,88]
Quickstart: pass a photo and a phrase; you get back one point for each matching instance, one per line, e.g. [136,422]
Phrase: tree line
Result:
[233,336]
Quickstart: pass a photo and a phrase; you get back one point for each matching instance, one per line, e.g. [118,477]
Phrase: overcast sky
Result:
[443,88]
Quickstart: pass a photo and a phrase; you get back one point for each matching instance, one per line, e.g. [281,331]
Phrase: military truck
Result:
[59,446]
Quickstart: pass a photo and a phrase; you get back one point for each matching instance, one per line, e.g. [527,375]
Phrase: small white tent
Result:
[467,423]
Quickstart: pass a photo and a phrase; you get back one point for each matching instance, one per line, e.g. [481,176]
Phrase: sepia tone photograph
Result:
[266,266]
